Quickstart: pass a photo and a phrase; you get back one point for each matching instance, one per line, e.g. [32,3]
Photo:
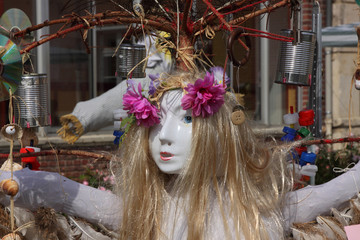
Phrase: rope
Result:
[343,170]
[12,218]
[209,32]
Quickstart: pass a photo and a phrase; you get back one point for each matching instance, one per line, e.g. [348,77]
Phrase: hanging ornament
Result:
[9,187]
[11,132]
[11,236]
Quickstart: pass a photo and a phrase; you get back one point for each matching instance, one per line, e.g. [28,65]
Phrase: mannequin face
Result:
[170,141]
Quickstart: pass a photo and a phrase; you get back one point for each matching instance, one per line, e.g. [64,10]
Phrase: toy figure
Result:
[187,171]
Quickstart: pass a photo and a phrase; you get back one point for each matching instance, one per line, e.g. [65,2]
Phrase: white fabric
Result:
[45,189]
[305,204]
[97,113]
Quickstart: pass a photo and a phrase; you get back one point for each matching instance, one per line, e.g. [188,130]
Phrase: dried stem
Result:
[99,156]
[331,141]
[200,26]
[72,19]
[221,18]
[259,12]
[158,25]
[122,17]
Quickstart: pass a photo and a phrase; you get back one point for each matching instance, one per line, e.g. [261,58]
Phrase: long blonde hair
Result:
[227,162]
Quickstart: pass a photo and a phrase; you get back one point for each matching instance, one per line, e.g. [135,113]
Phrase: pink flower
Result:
[203,97]
[146,114]
[112,180]
[102,188]
[86,183]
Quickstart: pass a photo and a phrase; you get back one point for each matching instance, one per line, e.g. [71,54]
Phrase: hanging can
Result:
[31,106]
[129,56]
[295,63]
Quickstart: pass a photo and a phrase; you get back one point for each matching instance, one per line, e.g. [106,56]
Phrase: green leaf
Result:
[127,122]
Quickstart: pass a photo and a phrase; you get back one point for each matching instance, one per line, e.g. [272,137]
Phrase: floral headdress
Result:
[146,114]
[205,97]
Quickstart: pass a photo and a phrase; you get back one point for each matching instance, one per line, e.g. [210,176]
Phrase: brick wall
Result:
[72,166]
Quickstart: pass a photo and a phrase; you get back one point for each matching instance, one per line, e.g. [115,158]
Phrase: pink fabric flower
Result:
[203,97]
[145,113]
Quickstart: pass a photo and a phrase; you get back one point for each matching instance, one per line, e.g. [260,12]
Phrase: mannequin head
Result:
[170,140]
[219,159]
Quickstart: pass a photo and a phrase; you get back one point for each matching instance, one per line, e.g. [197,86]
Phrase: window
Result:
[74,74]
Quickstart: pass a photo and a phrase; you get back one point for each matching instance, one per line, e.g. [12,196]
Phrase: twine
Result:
[118,46]
[209,32]
[165,88]
[139,10]
[70,135]
[344,170]
[186,57]
[164,11]
[117,4]
[12,218]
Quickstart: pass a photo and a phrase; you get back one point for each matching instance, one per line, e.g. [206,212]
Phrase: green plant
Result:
[327,159]
[102,180]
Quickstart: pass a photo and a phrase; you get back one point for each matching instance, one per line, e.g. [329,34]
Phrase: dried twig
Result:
[158,25]
[331,141]
[99,156]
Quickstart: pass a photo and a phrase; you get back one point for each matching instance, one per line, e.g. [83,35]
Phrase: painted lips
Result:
[165,156]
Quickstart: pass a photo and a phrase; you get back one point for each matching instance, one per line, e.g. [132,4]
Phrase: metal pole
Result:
[315,95]
[43,51]
[328,93]
[94,59]
[264,73]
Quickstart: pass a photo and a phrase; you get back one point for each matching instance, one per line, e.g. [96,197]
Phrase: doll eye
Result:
[187,119]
